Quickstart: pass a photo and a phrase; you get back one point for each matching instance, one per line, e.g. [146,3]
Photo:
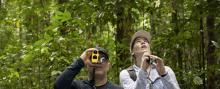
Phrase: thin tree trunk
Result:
[175,23]
[123,35]
[178,59]
[202,51]
[211,56]
[152,22]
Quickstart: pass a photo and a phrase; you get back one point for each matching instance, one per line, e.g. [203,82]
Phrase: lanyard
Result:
[150,81]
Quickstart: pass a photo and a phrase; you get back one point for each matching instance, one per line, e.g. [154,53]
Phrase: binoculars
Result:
[150,61]
[95,56]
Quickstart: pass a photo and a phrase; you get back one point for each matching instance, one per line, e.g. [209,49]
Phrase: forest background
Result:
[40,38]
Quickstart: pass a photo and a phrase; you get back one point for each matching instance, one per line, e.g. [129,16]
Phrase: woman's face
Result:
[140,47]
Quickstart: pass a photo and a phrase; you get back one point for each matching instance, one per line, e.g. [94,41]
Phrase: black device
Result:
[150,61]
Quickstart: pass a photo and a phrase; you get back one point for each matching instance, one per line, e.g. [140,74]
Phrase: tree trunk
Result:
[152,22]
[175,25]
[202,51]
[123,35]
[177,61]
[211,56]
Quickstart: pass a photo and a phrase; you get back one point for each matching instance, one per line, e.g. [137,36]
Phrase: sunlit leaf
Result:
[157,3]
[26,58]
[197,80]
[215,44]
[13,74]
[53,73]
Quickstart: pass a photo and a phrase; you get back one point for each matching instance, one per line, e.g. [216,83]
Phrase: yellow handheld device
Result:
[95,56]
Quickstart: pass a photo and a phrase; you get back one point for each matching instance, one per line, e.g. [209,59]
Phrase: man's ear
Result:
[109,65]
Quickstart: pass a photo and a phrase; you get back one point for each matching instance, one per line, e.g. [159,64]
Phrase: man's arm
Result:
[169,80]
[65,80]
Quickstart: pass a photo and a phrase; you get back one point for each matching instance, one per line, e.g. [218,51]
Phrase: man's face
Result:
[141,45]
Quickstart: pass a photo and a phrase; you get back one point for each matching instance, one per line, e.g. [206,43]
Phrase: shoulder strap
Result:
[132,73]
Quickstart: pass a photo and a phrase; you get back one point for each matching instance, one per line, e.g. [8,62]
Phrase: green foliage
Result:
[40,38]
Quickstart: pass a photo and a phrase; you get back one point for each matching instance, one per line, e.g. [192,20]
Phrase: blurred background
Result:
[40,38]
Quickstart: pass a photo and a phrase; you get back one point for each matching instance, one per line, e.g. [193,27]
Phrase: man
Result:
[149,71]
[97,72]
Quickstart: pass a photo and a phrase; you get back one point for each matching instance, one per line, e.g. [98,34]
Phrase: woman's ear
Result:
[132,54]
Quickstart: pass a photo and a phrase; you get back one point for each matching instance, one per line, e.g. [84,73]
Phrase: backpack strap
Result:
[132,73]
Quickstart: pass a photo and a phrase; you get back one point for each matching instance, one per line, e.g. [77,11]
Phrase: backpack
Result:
[132,73]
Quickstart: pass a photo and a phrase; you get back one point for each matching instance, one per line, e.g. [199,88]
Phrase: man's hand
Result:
[86,55]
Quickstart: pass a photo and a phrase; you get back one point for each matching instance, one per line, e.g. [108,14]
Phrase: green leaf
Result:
[39,43]
[215,44]
[62,16]
[27,58]
[42,42]
[55,72]
[157,3]
[197,80]
[44,50]
[13,74]
[187,35]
